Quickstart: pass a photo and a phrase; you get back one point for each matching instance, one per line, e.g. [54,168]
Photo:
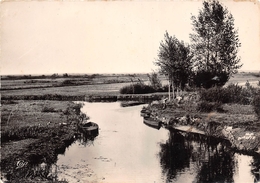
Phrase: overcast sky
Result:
[44,37]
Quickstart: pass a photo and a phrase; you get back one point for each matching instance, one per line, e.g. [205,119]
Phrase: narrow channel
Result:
[126,150]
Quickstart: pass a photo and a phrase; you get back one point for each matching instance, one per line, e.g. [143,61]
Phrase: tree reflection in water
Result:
[209,158]
[256,167]
[87,140]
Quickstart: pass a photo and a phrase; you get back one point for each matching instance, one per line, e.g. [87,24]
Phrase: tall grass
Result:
[204,106]
[137,88]
[140,88]
[24,132]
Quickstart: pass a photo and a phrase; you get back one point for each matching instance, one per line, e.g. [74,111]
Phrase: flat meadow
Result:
[70,86]
[242,77]
[101,84]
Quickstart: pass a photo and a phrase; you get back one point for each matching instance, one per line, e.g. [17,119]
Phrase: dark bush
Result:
[48,109]
[67,82]
[155,82]
[207,79]
[77,107]
[256,74]
[247,94]
[209,106]
[137,89]
[256,104]
[164,88]
[215,94]
[231,94]
[52,97]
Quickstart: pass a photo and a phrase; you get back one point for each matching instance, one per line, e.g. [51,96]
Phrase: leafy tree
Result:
[215,44]
[174,60]
[154,80]
[54,75]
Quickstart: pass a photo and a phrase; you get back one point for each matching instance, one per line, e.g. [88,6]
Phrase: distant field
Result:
[242,77]
[21,82]
[70,90]
[93,85]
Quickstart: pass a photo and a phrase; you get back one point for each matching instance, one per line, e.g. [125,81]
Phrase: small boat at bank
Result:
[89,128]
[151,122]
[145,113]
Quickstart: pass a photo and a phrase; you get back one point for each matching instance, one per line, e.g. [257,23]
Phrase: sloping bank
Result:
[33,133]
[236,123]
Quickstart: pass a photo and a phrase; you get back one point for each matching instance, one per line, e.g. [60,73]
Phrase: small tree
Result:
[215,44]
[174,60]
[154,81]
[54,75]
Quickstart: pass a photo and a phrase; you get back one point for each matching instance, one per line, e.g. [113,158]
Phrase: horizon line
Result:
[90,73]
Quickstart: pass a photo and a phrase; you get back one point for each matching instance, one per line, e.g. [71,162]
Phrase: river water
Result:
[126,150]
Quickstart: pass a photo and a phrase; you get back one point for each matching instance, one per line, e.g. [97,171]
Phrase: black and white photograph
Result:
[130,91]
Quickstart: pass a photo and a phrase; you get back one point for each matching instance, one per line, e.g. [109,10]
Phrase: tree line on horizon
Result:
[211,58]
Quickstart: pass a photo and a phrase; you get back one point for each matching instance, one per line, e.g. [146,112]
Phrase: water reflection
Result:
[256,168]
[87,140]
[196,157]
[127,150]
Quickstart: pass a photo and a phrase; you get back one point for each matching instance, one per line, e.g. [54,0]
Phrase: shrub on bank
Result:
[204,106]
[231,94]
[256,104]
[48,109]
[208,79]
[137,89]
[215,94]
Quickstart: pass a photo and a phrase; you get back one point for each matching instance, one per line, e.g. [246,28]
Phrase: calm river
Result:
[126,150]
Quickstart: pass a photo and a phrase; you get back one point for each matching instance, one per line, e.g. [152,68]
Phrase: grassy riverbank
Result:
[237,123]
[34,132]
